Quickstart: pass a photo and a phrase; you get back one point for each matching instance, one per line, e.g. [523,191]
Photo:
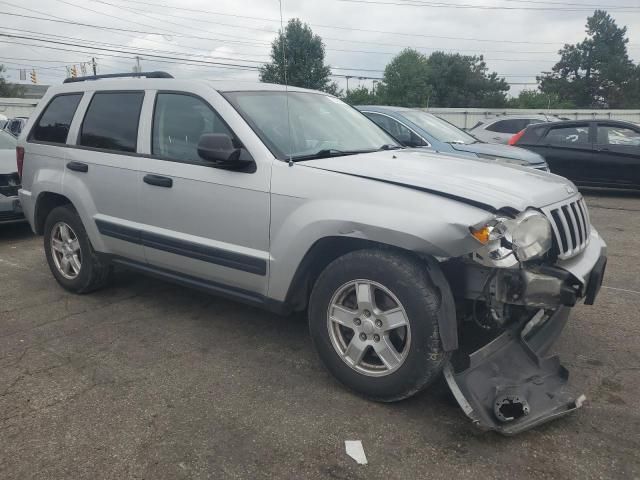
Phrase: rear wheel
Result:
[373,321]
[71,257]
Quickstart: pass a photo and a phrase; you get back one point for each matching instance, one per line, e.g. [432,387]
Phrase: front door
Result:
[204,223]
[617,150]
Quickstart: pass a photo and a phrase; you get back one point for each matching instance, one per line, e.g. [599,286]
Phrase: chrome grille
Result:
[571,226]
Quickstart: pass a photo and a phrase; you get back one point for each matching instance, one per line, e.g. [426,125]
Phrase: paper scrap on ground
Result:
[355,451]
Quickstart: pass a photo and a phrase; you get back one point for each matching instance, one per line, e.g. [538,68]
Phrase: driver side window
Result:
[179,121]
[398,131]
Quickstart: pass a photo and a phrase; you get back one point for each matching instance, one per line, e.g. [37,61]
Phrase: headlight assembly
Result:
[507,241]
[531,237]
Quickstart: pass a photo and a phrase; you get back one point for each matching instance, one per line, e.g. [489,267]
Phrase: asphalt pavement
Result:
[148,380]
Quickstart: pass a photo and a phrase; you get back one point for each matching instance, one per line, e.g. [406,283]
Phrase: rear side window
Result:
[55,120]
[111,121]
[508,126]
[575,135]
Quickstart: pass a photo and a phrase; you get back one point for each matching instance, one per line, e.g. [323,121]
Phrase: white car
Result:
[501,129]
[10,210]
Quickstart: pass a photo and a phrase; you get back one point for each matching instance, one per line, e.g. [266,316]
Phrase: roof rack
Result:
[119,75]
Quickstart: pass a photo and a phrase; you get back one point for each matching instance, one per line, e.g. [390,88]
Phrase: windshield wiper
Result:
[326,153]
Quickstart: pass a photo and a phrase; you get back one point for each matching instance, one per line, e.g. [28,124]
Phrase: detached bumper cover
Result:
[510,384]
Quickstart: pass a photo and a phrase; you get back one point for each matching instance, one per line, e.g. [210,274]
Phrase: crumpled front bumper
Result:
[10,210]
[510,384]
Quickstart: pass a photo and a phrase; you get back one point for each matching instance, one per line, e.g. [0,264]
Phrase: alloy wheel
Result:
[66,252]
[369,327]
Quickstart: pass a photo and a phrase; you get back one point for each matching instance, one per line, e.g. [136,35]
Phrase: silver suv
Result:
[291,200]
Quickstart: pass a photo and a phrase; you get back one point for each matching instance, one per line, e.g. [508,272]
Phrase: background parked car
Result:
[416,128]
[15,125]
[10,210]
[598,153]
[501,129]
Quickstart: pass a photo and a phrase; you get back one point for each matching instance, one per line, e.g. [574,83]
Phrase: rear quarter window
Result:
[506,126]
[53,125]
[111,121]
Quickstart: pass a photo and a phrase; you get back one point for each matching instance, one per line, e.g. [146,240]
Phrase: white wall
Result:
[469,117]
[17,107]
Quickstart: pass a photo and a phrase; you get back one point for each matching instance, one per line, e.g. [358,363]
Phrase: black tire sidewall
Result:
[69,216]
[408,280]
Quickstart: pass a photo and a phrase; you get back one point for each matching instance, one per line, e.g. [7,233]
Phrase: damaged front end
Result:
[513,298]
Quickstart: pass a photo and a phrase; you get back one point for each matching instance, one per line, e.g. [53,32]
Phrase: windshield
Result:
[318,125]
[7,141]
[438,128]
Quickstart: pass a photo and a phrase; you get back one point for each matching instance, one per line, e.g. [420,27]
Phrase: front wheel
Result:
[373,317]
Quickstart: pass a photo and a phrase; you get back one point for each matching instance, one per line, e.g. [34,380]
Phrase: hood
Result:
[481,182]
[8,162]
[504,151]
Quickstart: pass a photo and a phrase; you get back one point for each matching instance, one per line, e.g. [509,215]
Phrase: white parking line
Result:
[622,290]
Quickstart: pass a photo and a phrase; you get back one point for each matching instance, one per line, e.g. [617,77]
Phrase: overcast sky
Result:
[519,38]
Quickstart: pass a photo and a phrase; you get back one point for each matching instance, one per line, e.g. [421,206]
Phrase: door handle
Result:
[158,181]
[78,167]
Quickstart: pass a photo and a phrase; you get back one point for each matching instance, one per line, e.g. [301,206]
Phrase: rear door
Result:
[101,170]
[568,150]
[617,150]
[203,222]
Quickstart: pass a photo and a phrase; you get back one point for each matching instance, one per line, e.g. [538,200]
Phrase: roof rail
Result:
[118,75]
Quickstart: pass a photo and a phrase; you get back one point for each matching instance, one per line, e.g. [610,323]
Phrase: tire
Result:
[90,272]
[418,357]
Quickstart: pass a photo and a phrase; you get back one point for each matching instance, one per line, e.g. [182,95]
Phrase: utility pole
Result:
[94,66]
[137,68]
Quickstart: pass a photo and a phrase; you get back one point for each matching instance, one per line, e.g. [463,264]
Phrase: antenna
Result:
[286,86]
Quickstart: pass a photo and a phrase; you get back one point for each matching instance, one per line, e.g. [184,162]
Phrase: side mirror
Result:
[219,149]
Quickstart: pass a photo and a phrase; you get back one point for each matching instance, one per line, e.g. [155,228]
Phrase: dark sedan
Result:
[591,153]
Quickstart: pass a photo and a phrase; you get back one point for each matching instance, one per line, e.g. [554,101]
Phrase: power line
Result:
[316,25]
[465,6]
[156,58]
[143,32]
[69,22]
[140,49]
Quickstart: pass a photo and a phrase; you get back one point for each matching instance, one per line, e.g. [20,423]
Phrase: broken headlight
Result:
[507,241]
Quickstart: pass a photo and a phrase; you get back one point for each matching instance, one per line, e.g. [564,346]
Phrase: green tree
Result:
[9,90]
[464,81]
[537,100]
[596,72]
[297,58]
[405,80]
[360,96]
[441,80]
